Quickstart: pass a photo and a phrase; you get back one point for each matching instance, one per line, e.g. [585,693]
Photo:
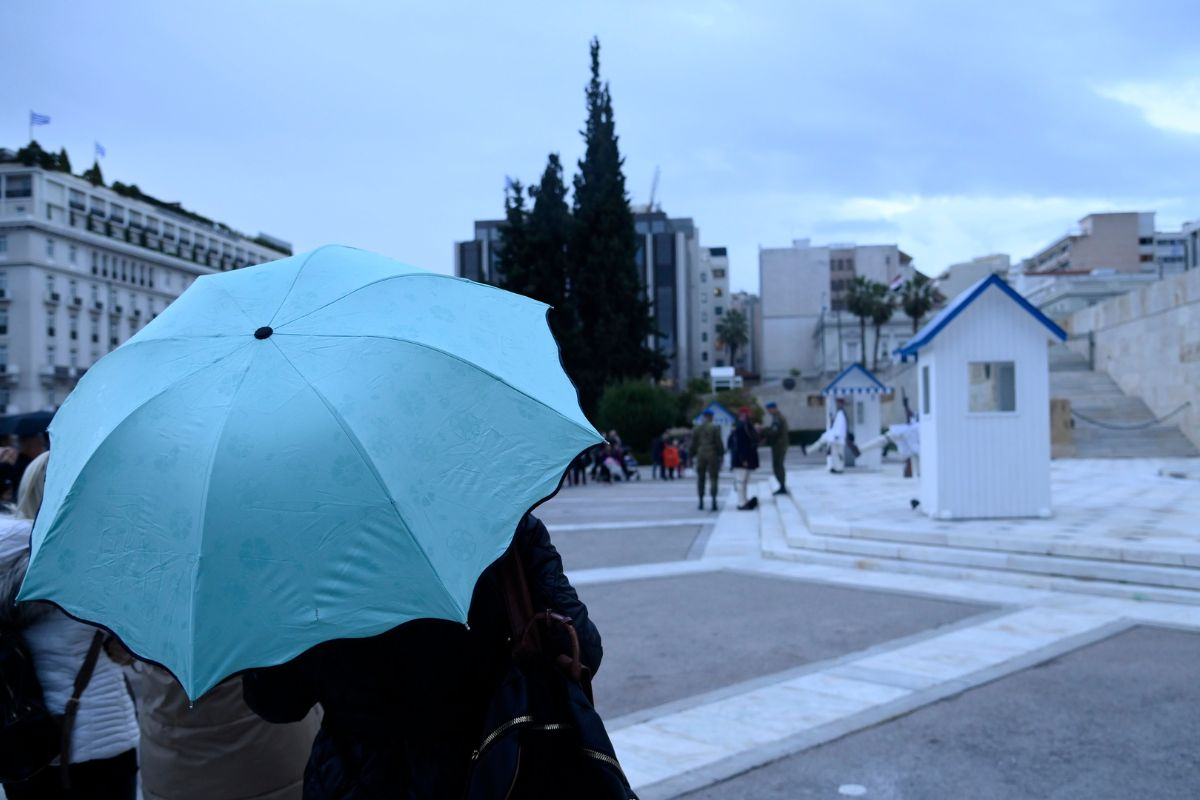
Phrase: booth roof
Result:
[875,386]
[956,307]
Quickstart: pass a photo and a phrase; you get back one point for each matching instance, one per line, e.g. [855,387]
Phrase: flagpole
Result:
[31,125]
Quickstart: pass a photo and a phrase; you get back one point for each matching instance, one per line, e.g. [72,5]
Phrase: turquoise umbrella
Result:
[321,447]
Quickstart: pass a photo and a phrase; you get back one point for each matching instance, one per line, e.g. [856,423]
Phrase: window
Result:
[72,253]
[152,224]
[1145,257]
[925,401]
[3,322]
[1141,239]
[73,330]
[116,213]
[74,290]
[718,273]
[168,231]
[95,263]
[860,413]
[3,281]
[992,386]
[50,325]
[95,293]
[718,310]
[50,354]
[704,355]
[19,186]
[704,336]
[718,291]
[3,354]
[74,357]
[50,248]
[3,246]
[135,219]
[49,283]
[703,277]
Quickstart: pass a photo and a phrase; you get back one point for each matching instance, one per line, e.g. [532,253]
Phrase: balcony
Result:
[53,298]
[96,307]
[135,313]
[115,311]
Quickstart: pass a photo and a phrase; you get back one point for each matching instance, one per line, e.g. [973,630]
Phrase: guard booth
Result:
[723,418]
[984,404]
[862,392]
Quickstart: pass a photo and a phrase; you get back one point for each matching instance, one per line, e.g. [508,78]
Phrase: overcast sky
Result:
[953,129]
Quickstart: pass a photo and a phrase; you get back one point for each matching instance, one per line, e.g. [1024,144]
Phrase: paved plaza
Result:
[734,671]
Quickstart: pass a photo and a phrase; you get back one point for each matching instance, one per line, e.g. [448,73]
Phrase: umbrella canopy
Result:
[321,447]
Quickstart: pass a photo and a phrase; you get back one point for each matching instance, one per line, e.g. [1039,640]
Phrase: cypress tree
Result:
[609,297]
[512,260]
[548,268]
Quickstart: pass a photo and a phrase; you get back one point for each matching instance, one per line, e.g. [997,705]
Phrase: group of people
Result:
[606,462]
[668,457]
[743,443]
[393,715]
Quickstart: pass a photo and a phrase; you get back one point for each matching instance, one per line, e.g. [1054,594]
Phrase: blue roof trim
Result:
[856,368]
[714,407]
[947,314]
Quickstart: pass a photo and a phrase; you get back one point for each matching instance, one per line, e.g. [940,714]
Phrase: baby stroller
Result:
[631,468]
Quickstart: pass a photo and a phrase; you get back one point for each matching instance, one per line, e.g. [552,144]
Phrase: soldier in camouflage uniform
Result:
[707,451]
[776,435]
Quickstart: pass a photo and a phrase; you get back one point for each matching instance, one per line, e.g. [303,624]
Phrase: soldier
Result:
[707,451]
[776,435]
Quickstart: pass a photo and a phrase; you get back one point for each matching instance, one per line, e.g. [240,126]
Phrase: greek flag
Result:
[100,151]
[38,119]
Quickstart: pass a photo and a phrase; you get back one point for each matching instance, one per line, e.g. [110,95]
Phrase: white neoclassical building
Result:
[83,267]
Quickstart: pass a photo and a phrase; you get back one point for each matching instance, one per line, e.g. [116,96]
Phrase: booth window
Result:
[992,386]
[925,390]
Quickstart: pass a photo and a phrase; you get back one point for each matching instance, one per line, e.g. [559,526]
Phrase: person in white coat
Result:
[102,762]
[835,439]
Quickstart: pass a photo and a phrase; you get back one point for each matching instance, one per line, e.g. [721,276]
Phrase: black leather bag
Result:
[542,737]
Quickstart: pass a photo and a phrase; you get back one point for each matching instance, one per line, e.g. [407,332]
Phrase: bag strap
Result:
[82,678]
[517,601]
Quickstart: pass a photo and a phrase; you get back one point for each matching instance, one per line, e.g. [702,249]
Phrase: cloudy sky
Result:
[953,129]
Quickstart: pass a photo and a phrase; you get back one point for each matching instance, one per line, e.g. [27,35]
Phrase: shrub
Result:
[638,411]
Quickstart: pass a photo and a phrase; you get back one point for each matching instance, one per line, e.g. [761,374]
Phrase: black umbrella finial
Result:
[263,332]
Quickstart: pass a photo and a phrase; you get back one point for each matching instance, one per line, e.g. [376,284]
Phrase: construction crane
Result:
[653,190]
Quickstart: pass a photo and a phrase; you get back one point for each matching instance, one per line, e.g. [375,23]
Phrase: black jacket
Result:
[744,444]
[403,710]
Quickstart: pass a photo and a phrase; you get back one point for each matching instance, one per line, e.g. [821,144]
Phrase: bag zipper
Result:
[491,737]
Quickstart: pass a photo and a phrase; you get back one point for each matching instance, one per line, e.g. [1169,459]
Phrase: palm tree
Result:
[880,315]
[862,298]
[918,297]
[733,332]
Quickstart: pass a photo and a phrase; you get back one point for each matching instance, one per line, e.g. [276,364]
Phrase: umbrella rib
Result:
[448,354]
[296,278]
[362,453]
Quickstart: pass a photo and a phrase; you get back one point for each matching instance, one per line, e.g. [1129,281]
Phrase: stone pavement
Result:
[689,742]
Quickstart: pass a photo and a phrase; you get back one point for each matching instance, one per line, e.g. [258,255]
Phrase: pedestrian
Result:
[577,474]
[836,439]
[744,458]
[670,458]
[216,747]
[402,710]
[776,435]
[707,451]
[31,443]
[656,457]
[101,749]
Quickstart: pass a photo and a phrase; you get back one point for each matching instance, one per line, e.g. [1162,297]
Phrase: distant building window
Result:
[1144,257]
[925,401]
[992,386]
[3,322]
[718,310]
[704,277]
[1146,240]
[704,355]
[718,273]
[49,248]
[3,245]
[72,253]
[704,336]
[718,291]
[116,213]
[19,186]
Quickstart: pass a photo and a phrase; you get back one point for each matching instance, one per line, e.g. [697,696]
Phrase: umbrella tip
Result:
[263,332]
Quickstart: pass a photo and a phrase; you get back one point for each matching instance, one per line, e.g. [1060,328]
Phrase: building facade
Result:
[1118,242]
[958,277]
[83,268]
[478,259]
[806,329]
[747,358]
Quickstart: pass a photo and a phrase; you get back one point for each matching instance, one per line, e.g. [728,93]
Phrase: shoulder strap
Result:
[82,678]
[517,601]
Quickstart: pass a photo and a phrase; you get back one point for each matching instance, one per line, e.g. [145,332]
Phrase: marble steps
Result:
[786,536]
